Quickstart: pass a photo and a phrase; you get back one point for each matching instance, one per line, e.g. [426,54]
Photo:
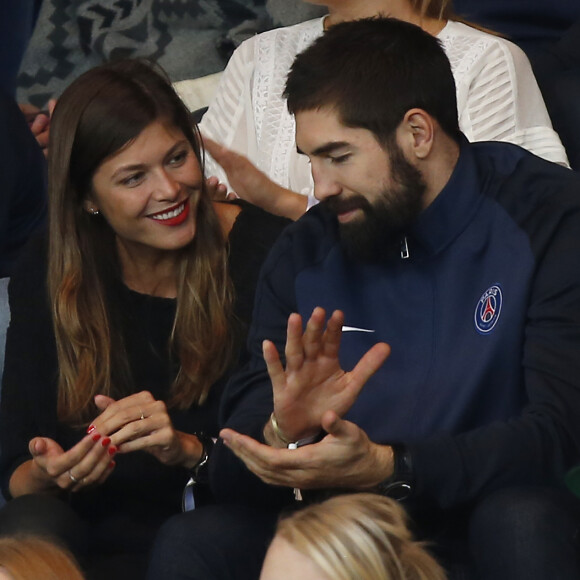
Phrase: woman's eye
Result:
[133,180]
[178,159]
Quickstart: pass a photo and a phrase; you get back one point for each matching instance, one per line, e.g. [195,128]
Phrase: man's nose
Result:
[325,185]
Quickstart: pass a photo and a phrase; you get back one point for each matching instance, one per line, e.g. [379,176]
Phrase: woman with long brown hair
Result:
[125,325]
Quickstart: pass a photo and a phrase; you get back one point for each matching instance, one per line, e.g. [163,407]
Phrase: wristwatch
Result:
[199,471]
[400,485]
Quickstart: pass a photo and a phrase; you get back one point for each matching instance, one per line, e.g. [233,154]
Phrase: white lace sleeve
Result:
[249,114]
[498,97]
[229,119]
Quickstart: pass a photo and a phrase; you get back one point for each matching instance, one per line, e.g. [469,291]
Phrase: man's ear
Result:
[418,130]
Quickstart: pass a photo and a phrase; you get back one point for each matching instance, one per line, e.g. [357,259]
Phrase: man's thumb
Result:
[333,424]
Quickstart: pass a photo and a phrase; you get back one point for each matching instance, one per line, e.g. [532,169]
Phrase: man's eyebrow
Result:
[326,148]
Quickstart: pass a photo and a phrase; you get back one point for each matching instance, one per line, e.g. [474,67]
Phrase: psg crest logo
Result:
[488,309]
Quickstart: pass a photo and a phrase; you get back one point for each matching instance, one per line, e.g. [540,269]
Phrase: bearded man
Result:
[450,273]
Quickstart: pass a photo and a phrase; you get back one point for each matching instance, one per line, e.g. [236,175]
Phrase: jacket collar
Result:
[453,209]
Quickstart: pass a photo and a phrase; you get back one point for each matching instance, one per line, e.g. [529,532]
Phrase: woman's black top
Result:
[140,486]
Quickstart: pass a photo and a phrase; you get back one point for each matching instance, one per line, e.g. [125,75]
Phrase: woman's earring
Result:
[94,211]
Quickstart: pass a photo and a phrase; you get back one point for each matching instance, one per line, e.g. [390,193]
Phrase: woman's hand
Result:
[218,191]
[139,422]
[251,184]
[86,464]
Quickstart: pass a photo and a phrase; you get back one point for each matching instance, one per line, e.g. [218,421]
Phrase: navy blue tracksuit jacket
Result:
[483,318]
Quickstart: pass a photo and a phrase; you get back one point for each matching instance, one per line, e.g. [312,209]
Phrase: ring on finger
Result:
[142,416]
[72,477]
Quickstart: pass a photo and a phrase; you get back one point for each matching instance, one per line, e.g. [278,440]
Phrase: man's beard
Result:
[379,232]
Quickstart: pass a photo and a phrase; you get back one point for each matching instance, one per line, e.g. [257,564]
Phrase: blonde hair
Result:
[359,537]
[31,558]
[98,115]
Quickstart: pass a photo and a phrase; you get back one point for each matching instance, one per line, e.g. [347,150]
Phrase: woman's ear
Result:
[419,129]
[90,207]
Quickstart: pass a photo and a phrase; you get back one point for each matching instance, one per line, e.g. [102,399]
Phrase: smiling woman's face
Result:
[149,191]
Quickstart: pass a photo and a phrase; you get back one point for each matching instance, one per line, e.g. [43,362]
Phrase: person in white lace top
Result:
[498,99]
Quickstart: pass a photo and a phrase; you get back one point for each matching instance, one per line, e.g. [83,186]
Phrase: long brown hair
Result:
[98,114]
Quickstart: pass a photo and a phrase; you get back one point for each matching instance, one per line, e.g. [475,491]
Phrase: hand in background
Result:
[217,191]
[251,184]
[39,122]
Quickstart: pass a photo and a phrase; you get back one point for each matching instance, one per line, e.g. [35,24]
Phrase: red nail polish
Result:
[96,437]
[112,450]
[112,464]
[105,442]
[90,429]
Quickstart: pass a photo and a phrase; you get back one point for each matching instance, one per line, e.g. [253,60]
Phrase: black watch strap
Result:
[400,485]
[199,471]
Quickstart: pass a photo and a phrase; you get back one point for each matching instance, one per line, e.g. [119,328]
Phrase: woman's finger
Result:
[50,457]
[92,466]
[150,419]
[120,413]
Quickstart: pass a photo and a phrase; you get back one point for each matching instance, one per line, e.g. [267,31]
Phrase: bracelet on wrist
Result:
[277,430]
[290,444]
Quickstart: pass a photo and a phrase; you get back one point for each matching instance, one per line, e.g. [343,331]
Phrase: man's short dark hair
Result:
[372,71]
